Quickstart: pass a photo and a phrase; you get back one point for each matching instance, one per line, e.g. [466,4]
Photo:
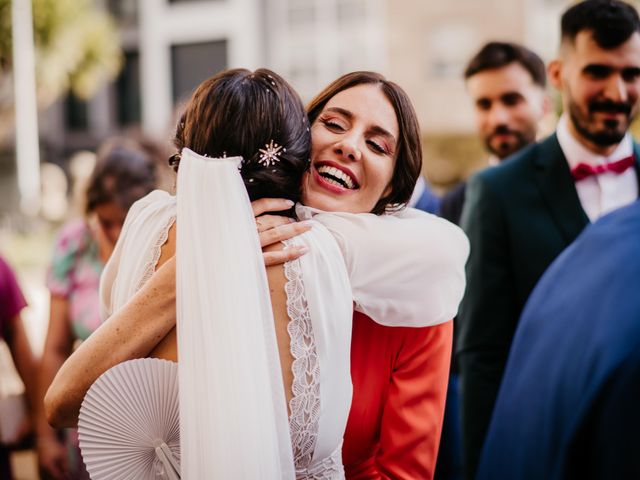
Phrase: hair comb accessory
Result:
[270,154]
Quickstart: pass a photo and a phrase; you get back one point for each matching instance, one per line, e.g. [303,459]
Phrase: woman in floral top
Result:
[124,172]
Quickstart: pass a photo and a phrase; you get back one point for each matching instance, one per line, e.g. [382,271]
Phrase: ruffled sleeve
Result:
[405,269]
[144,232]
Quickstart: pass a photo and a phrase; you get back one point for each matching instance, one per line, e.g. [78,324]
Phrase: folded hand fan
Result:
[129,422]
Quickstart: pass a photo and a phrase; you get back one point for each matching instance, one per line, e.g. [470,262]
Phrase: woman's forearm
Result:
[132,332]
[50,363]
[57,348]
[23,358]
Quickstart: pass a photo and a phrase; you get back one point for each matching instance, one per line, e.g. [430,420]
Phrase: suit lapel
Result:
[558,189]
[636,154]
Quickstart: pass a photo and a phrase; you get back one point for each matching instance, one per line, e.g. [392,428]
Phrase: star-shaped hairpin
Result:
[270,154]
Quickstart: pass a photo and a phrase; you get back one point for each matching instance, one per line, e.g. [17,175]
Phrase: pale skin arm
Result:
[25,364]
[22,357]
[140,328]
[52,454]
[128,334]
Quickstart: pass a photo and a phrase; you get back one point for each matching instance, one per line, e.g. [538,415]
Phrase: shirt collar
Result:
[494,161]
[576,153]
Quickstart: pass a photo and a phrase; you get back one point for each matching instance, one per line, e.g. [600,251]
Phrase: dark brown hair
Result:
[238,112]
[409,151]
[125,171]
[495,55]
[612,22]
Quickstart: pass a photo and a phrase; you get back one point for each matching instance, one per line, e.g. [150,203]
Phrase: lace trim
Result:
[156,251]
[305,402]
[329,468]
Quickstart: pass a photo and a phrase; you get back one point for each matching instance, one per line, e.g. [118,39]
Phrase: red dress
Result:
[399,379]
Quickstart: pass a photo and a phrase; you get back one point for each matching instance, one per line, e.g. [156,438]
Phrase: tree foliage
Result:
[77,48]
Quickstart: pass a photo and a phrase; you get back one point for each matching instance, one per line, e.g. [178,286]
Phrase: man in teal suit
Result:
[522,214]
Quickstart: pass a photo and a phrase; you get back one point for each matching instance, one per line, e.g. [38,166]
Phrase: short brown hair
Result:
[612,22]
[125,171]
[236,113]
[409,153]
[495,55]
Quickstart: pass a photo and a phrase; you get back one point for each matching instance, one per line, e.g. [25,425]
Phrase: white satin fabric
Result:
[405,269]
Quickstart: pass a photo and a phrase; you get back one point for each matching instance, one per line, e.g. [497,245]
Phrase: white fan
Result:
[129,425]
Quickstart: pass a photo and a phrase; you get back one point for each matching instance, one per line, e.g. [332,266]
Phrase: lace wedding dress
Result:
[405,269]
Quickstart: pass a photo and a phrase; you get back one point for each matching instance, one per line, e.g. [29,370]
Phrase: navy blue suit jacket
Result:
[569,403]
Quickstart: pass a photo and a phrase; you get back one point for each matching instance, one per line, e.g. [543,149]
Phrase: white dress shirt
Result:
[599,194]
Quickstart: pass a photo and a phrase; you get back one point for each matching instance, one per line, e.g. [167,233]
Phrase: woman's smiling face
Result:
[353,151]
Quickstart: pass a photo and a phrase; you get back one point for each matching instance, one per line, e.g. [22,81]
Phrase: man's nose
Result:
[616,89]
[498,115]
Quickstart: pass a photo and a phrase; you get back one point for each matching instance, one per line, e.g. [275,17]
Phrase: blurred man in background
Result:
[506,83]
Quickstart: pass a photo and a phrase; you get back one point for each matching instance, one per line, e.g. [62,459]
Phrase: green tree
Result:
[77,48]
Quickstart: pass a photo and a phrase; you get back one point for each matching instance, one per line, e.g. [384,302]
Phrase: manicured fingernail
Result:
[291,203]
[303,249]
[307,223]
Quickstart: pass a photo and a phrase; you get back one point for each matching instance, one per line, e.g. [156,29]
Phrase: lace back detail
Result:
[155,253]
[329,468]
[305,402]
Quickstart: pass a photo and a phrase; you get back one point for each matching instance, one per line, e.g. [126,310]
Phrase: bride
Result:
[237,365]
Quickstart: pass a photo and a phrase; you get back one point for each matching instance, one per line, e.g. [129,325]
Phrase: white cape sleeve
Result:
[233,416]
[405,269]
[144,232]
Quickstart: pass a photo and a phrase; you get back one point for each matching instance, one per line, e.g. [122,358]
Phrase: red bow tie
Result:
[583,170]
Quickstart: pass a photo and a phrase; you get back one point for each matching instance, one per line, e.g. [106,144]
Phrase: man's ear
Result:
[554,73]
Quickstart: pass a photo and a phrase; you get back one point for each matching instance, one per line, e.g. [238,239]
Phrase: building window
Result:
[191,1]
[76,113]
[302,15]
[128,91]
[351,11]
[192,63]
[125,11]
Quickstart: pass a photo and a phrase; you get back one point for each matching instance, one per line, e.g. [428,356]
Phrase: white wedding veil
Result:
[233,416]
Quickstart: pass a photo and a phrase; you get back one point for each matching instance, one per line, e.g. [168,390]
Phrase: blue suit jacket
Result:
[569,403]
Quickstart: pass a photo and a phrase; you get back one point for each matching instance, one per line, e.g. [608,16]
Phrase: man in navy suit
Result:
[568,406]
[522,214]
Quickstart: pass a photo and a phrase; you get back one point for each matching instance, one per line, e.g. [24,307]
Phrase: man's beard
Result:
[504,149]
[613,130]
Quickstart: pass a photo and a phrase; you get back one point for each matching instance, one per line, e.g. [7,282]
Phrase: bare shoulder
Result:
[168,249]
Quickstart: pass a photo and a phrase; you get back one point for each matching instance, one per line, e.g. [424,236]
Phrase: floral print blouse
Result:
[74,274]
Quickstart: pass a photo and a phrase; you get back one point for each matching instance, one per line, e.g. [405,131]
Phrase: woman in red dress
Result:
[399,374]
[399,380]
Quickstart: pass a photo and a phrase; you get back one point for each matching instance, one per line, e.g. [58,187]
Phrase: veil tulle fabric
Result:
[233,416]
